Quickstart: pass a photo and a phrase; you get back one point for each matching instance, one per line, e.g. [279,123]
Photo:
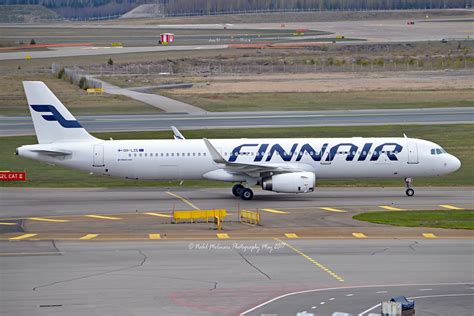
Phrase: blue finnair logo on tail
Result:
[55,115]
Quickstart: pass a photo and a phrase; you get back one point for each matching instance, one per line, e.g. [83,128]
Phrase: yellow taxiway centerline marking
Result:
[330,209]
[8,224]
[291,235]
[102,217]
[451,207]
[48,220]
[222,236]
[316,263]
[22,236]
[359,235]
[183,200]
[273,211]
[391,208]
[157,214]
[429,235]
[154,236]
[89,236]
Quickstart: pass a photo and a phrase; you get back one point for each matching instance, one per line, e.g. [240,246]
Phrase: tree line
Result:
[172,7]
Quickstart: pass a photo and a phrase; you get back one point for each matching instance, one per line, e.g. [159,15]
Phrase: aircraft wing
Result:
[253,170]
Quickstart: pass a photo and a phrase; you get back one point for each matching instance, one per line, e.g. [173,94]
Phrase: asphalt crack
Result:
[379,251]
[412,245]
[142,262]
[254,266]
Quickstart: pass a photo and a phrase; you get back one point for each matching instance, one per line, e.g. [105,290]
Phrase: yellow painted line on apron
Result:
[157,214]
[8,224]
[222,236]
[273,211]
[183,200]
[316,263]
[22,236]
[429,235]
[451,207]
[291,235]
[359,235]
[48,220]
[154,236]
[391,208]
[103,217]
[331,209]
[89,236]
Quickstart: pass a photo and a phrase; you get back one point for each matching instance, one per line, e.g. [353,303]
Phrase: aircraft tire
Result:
[246,194]
[410,192]
[237,189]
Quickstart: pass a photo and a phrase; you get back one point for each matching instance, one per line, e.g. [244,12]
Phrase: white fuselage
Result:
[190,159]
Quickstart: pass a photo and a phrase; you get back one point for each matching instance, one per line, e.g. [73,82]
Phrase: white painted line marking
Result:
[342,288]
[381,292]
[349,295]
[332,299]
[416,297]
[313,307]
[322,303]
[425,289]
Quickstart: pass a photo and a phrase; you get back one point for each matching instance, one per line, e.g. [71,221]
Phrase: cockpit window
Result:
[437,151]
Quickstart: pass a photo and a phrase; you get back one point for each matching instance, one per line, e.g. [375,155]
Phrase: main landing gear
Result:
[240,191]
[409,191]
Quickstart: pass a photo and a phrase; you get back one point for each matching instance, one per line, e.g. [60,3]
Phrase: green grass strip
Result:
[463,219]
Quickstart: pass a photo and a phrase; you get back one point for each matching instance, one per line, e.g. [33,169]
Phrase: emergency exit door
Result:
[98,158]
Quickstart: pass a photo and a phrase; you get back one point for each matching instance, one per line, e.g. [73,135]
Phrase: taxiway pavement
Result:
[10,125]
[229,278]
[145,213]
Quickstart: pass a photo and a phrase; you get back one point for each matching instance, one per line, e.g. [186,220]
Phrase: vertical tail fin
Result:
[52,121]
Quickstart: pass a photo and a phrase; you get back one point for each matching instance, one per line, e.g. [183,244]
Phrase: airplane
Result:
[285,165]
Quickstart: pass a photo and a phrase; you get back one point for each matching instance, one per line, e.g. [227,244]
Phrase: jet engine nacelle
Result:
[294,182]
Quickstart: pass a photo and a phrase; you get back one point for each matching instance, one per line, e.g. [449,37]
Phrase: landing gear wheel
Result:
[409,191]
[246,194]
[237,189]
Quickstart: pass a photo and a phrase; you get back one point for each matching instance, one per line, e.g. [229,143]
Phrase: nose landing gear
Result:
[409,191]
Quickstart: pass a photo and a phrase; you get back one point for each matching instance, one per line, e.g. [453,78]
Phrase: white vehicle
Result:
[279,165]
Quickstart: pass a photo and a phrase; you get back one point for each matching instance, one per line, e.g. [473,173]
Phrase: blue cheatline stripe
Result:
[56,116]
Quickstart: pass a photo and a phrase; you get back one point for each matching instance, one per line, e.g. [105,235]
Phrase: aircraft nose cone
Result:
[455,163]
[452,164]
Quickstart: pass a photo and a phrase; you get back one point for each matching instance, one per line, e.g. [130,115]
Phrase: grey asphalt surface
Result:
[371,30]
[25,202]
[10,125]
[228,278]
[161,102]
[96,50]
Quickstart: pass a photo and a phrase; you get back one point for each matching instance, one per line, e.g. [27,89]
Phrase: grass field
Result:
[439,219]
[352,100]
[13,100]
[456,139]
